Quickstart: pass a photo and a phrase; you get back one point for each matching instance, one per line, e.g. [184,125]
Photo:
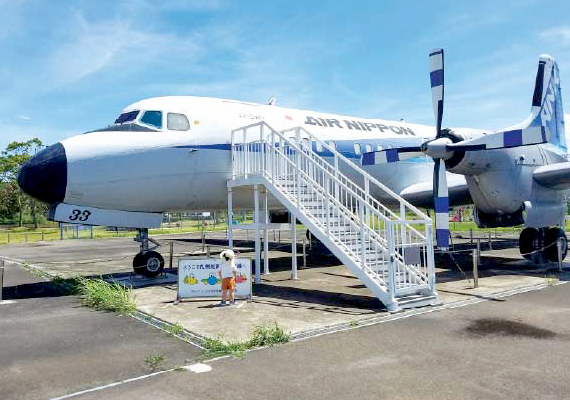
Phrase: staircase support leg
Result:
[294,247]
[230,219]
[257,239]
[266,235]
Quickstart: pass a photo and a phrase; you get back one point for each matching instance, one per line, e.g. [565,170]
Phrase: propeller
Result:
[442,148]
[439,144]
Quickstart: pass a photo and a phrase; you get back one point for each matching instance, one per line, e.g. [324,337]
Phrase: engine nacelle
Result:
[495,220]
[541,215]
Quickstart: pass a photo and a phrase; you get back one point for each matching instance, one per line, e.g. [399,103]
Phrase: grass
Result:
[153,361]
[101,295]
[24,234]
[268,335]
[263,335]
[175,330]
[65,286]
[551,280]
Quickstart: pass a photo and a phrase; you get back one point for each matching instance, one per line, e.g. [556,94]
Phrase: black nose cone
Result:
[44,176]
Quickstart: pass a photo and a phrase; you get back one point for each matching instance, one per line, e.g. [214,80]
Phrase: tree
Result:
[11,160]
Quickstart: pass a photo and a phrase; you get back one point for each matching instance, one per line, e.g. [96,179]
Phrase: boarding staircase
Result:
[389,250]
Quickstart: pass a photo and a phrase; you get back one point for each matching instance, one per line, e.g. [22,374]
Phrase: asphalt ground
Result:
[513,349]
[51,345]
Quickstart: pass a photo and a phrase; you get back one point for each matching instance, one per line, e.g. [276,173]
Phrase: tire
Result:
[552,236]
[149,264]
[529,242]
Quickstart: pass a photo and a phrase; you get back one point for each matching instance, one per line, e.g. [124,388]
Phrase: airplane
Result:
[170,154]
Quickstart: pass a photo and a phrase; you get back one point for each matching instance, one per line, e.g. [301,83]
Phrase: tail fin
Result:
[547,102]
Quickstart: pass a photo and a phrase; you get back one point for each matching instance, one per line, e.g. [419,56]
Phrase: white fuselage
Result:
[167,170]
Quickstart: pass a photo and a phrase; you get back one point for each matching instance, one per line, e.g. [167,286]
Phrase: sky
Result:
[67,67]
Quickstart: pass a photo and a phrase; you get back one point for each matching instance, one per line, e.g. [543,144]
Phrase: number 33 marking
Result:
[78,215]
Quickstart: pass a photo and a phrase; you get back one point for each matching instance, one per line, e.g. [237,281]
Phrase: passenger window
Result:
[177,122]
[368,148]
[153,118]
[357,149]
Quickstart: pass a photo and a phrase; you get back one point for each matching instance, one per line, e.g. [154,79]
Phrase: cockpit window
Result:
[153,118]
[127,117]
[177,122]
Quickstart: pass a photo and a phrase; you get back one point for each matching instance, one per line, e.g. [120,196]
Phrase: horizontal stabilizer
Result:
[553,176]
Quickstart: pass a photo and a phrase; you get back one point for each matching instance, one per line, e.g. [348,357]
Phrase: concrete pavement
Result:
[516,349]
[51,346]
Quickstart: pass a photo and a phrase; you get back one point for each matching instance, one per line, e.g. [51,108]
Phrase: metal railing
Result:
[393,247]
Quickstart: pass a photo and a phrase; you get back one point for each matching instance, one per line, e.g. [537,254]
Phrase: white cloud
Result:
[178,5]
[24,117]
[94,46]
[561,33]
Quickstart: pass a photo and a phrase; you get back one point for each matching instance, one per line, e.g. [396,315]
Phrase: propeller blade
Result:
[503,140]
[436,78]
[391,155]
[441,205]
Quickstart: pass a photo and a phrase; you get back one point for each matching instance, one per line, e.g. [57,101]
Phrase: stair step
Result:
[417,300]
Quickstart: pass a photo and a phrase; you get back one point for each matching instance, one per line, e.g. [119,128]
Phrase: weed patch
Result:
[218,347]
[103,295]
[175,329]
[264,335]
[153,361]
[65,286]
[551,280]
[268,336]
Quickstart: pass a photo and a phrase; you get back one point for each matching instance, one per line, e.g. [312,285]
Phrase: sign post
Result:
[198,278]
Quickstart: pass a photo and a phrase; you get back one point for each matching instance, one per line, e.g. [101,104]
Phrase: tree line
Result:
[16,207]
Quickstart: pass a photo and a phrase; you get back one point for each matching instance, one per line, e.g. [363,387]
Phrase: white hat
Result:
[227,255]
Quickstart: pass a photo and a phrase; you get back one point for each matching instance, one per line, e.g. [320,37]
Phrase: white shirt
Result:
[228,269]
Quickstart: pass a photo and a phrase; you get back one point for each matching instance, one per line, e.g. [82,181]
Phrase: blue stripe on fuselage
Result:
[344,147]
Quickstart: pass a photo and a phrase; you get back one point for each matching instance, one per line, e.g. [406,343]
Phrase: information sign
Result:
[199,278]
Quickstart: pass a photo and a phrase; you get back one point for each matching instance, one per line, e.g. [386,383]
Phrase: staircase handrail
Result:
[370,231]
[359,170]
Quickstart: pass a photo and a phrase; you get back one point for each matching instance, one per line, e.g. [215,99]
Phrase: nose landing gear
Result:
[541,244]
[148,262]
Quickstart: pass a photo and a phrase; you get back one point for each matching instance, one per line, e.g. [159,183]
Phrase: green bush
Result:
[268,336]
[103,295]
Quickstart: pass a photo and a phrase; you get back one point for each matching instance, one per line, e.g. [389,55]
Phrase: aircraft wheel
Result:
[552,235]
[149,264]
[529,241]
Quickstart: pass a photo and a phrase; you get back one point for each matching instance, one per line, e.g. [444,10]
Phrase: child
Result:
[228,272]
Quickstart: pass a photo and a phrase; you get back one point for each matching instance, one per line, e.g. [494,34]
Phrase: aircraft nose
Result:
[44,176]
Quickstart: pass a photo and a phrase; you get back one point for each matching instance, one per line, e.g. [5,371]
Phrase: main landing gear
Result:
[148,263]
[539,244]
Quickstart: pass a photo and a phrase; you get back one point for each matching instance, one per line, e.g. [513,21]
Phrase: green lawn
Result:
[22,235]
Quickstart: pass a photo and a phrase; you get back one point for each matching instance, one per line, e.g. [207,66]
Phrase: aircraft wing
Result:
[421,194]
[554,176]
